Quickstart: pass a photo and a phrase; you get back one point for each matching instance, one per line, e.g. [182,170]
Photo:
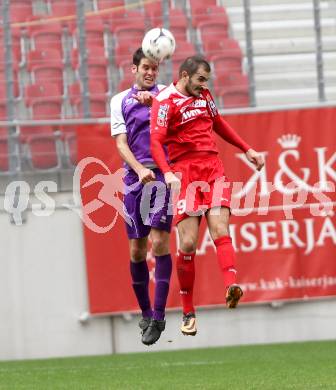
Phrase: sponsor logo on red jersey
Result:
[162,115]
[191,114]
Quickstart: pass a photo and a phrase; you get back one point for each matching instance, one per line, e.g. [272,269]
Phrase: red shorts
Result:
[203,186]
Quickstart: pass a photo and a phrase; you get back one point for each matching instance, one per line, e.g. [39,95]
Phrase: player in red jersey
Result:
[184,117]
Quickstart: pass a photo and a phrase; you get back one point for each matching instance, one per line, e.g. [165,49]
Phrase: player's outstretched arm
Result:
[225,131]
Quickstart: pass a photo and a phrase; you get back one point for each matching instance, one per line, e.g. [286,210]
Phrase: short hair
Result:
[191,65]
[138,56]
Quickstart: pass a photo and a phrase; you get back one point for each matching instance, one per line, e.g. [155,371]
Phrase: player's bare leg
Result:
[188,235]
[140,279]
[218,223]
[163,269]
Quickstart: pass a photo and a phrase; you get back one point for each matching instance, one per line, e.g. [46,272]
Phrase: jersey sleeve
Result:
[118,125]
[159,121]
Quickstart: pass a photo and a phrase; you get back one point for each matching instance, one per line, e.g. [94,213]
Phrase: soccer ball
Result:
[158,44]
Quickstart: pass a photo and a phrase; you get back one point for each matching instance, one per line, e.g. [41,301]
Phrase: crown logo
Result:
[289,141]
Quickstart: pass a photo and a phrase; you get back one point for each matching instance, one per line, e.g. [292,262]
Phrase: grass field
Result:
[303,366]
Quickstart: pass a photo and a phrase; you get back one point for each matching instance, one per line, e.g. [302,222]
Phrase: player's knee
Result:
[188,244]
[160,247]
[220,230]
[138,254]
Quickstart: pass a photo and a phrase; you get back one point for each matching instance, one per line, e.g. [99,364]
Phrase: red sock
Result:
[185,266]
[226,258]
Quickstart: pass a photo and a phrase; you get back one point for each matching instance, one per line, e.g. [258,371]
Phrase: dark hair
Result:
[191,65]
[138,56]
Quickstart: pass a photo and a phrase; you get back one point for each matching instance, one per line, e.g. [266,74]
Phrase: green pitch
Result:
[281,366]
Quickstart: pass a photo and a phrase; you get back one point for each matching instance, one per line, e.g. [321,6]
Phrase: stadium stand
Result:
[46,58]
[284,47]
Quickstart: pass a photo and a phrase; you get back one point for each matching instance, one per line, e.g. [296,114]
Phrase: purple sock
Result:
[140,281]
[163,270]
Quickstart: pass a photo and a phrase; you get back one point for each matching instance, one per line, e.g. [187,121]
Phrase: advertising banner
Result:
[282,224]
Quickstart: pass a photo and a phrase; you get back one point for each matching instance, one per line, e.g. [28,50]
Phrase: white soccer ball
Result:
[158,44]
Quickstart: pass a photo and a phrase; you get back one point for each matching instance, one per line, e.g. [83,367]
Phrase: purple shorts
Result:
[147,205]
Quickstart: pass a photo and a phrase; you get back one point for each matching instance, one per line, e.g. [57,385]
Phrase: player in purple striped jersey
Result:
[130,128]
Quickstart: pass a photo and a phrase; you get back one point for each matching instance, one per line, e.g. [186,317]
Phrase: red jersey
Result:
[186,121]
[186,124]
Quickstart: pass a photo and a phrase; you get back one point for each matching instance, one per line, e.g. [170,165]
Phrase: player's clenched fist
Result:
[144,97]
[172,181]
[255,158]
[146,175]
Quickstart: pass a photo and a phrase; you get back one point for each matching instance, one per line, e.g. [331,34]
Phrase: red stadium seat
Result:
[235,99]
[152,7]
[94,54]
[227,62]
[96,89]
[20,12]
[178,23]
[46,36]
[122,33]
[94,31]
[124,19]
[124,52]
[209,14]
[126,83]
[202,3]
[226,81]
[104,4]
[125,67]
[46,109]
[36,58]
[228,46]
[44,101]
[40,147]
[233,90]
[41,91]
[96,63]
[183,50]
[97,107]
[48,73]
[63,8]
[212,30]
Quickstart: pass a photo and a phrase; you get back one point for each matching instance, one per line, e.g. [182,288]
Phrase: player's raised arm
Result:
[158,125]
[158,133]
